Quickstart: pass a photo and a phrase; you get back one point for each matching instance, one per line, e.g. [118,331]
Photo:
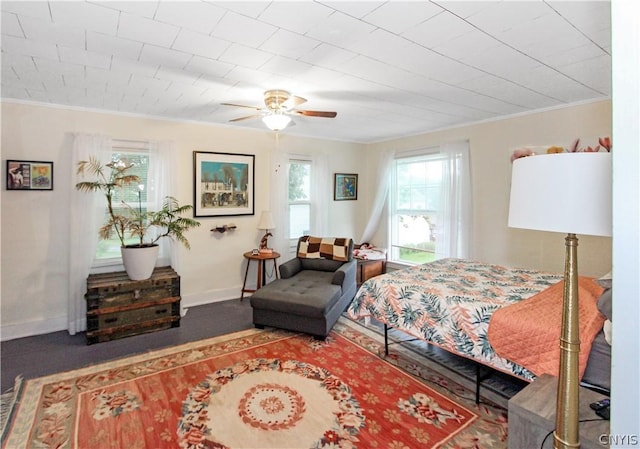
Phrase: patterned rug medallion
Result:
[254,389]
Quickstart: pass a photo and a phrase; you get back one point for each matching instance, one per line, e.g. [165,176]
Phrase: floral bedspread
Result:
[449,303]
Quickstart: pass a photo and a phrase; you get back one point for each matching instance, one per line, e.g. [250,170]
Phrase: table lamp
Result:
[266,223]
[568,193]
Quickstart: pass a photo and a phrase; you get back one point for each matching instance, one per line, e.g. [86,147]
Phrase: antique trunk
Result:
[119,307]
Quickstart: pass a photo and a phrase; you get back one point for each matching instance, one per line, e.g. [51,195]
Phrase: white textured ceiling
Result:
[389,69]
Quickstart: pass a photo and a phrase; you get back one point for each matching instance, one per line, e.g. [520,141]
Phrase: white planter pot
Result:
[139,262]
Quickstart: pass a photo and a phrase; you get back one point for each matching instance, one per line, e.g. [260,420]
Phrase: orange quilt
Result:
[528,332]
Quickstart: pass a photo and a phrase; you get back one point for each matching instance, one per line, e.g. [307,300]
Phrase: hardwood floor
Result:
[41,355]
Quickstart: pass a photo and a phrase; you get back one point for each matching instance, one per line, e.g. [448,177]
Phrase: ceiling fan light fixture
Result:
[276,121]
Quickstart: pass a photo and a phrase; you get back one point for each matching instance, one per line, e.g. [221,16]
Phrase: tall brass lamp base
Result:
[567,404]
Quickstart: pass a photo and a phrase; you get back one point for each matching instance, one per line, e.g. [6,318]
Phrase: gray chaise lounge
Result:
[313,290]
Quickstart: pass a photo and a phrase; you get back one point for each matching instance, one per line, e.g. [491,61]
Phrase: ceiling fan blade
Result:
[294,101]
[245,118]
[241,106]
[328,114]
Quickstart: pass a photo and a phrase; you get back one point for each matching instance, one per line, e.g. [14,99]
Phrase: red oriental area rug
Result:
[253,389]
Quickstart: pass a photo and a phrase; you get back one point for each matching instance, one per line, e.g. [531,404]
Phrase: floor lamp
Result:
[569,193]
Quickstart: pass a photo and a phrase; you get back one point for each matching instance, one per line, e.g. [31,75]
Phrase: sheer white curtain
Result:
[454,228]
[86,215]
[320,191]
[278,203]
[161,182]
[383,176]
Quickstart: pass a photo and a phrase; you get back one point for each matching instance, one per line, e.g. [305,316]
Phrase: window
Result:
[430,205]
[151,165]
[133,195]
[298,192]
[415,202]
[299,199]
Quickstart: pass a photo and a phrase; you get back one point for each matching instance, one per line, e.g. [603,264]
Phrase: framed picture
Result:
[345,186]
[29,175]
[223,184]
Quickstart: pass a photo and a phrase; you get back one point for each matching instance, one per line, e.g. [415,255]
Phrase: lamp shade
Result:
[266,221]
[563,192]
[276,121]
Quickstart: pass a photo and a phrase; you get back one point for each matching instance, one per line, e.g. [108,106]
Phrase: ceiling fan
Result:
[279,105]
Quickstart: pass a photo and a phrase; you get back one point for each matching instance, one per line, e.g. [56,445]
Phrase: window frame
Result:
[421,155]
[135,148]
[299,159]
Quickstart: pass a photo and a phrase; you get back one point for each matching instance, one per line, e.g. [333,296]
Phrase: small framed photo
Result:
[223,184]
[29,175]
[345,186]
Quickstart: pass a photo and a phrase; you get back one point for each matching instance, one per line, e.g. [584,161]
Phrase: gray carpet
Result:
[55,352]
[41,355]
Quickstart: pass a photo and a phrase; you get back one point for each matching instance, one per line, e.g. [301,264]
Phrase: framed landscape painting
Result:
[29,175]
[345,186]
[223,184]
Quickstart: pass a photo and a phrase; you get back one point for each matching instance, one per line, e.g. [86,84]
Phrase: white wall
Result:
[491,145]
[35,225]
[625,384]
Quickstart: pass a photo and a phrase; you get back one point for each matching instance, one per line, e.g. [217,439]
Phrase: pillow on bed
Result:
[605,308]
[605,281]
[606,328]
[604,304]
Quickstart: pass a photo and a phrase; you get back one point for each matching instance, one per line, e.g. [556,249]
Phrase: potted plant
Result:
[139,259]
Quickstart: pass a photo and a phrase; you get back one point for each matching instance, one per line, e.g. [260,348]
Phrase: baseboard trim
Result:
[30,328]
[208,297]
[45,326]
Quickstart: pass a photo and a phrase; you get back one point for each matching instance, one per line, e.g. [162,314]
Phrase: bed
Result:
[451,303]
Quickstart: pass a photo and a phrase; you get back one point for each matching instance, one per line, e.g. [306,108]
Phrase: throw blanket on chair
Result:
[324,248]
[528,332]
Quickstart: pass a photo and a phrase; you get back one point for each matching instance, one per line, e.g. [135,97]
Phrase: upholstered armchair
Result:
[314,288]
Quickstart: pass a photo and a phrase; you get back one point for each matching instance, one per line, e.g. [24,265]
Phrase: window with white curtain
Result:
[132,195]
[136,196]
[430,200]
[299,199]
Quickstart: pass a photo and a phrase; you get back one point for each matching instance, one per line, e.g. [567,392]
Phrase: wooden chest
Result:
[368,269]
[119,307]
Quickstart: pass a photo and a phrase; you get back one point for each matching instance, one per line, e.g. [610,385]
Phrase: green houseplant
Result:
[138,258]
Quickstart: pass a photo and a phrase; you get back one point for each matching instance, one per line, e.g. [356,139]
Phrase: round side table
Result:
[261,258]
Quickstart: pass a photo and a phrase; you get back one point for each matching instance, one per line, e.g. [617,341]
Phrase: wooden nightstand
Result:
[368,269]
[532,415]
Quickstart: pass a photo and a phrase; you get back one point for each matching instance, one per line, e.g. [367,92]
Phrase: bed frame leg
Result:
[386,340]
[479,378]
